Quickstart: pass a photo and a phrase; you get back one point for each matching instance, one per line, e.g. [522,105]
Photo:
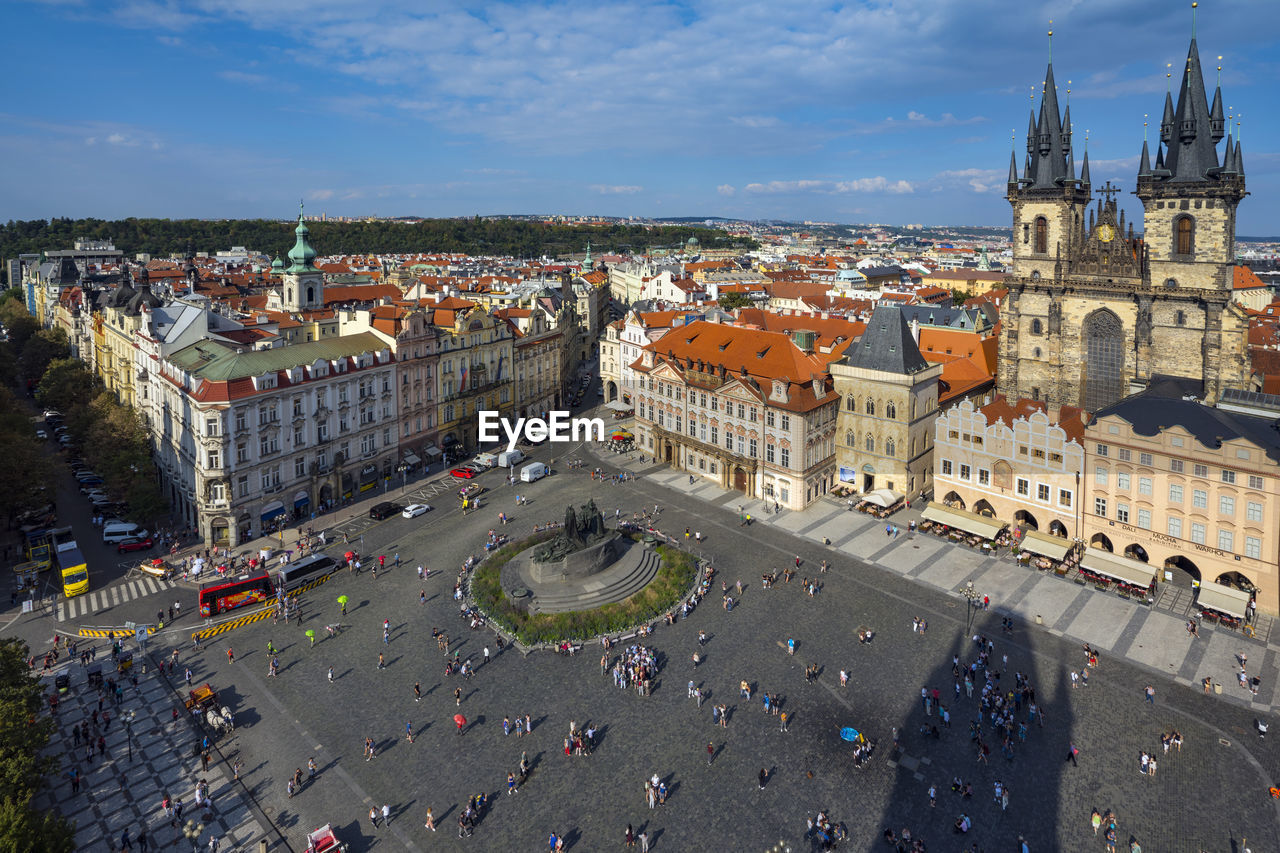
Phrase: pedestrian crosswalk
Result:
[102,599]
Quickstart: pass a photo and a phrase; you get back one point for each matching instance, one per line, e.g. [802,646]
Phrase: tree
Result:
[25,730]
[24,467]
[43,347]
[734,299]
[67,384]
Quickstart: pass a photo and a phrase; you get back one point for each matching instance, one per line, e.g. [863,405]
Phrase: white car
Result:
[415,510]
[41,434]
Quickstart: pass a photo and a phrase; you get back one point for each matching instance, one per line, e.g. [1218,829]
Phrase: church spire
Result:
[1216,121]
[1192,149]
[1084,170]
[302,255]
[1013,169]
[1047,146]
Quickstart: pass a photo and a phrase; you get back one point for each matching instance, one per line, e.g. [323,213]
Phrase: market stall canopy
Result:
[882,498]
[1053,547]
[411,459]
[431,451]
[970,522]
[618,406]
[1224,599]
[1123,569]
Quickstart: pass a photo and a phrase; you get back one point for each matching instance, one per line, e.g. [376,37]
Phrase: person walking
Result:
[1151,695]
[1072,752]
[431,820]
[373,816]
[382,663]
[330,675]
[764,775]
[711,753]
[417,691]
[386,814]
[231,655]
[457,696]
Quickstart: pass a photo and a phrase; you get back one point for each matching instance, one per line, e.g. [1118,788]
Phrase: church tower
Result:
[1048,203]
[1189,202]
[302,288]
[1095,312]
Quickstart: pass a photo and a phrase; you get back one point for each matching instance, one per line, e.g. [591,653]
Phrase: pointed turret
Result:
[1013,169]
[1229,158]
[1216,121]
[1084,171]
[1048,144]
[1166,123]
[1192,151]
[1238,160]
[1031,132]
[1144,164]
[1160,169]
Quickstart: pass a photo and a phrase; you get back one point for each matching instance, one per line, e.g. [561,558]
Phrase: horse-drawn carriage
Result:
[221,721]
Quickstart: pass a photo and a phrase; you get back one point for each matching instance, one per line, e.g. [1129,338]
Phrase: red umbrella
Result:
[459,719]
[350,555]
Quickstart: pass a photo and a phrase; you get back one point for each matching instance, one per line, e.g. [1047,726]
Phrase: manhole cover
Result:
[520,592]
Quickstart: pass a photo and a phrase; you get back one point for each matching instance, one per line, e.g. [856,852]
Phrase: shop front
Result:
[368,478]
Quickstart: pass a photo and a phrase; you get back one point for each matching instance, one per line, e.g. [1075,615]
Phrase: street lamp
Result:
[128,730]
[403,470]
[971,603]
[192,830]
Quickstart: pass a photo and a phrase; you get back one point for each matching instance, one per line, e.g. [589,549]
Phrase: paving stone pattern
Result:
[117,792]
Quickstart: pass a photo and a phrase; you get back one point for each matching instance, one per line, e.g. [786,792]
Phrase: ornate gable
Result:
[1104,249]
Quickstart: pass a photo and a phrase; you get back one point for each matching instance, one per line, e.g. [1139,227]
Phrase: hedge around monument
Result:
[674,580]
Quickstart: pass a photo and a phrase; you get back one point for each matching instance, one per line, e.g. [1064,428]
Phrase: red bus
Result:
[240,592]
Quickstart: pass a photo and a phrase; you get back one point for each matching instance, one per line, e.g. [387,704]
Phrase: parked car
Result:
[134,545]
[80,475]
[52,413]
[88,483]
[463,473]
[386,509]
[415,510]
[41,434]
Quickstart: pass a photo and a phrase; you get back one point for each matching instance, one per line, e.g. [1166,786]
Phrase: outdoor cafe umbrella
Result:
[312,636]
[342,599]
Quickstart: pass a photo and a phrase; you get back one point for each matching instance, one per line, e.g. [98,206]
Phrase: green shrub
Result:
[673,582]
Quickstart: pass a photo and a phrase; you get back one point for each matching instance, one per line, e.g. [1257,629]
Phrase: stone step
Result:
[619,588]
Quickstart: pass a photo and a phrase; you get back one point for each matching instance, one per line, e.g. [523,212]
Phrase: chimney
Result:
[915,330]
[1054,412]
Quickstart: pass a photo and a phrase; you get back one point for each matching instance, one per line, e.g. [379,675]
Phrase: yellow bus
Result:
[71,564]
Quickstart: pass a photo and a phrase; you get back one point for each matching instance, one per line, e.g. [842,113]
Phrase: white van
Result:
[116,532]
[533,472]
[510,458]
[486,460]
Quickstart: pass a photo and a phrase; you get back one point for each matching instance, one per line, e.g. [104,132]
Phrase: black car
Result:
[386,509]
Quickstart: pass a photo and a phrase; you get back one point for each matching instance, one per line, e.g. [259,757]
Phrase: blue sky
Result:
[874,111]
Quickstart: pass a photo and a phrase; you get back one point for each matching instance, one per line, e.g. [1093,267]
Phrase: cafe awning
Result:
[1223,599]
[618,406]
[970,522]
[411,459]
[1123,569]
[882,498]
[1053,547]
[431,451]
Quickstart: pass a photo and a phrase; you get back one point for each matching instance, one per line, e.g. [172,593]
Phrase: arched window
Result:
[871,406]
[311,295]
[1185,236]
[1026,233]
[890,411]
[850,404]
[849,440]
[288,294]
[888,447]
[871,444]
[1036,327]
[1042,235]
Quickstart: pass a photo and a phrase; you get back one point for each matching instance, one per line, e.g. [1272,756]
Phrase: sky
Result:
[868,111]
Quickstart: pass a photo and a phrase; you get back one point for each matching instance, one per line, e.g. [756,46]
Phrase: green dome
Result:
[277,266]
[301,255]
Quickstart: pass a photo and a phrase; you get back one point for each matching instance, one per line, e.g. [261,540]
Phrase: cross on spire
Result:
[1108,191]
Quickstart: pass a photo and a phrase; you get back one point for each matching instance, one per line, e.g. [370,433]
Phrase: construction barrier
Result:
[111,633]
[250,618]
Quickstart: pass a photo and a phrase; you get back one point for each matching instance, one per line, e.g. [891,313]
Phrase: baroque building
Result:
[1094,312]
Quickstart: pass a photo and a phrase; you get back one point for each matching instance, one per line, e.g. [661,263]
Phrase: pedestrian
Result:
[933,796]
[382,664]
[330,674]
[764,775]
[417,691]
[373,816]
[457,695]
[644,842]
[431,820]
[408,731]
[311,769]
[511,784]
[386,814]
[711,752]
[231,656]
[486,655]
[783,716]
[1151,695]
[1072,752]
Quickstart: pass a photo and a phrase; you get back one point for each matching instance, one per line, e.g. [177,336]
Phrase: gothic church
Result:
[1093,311]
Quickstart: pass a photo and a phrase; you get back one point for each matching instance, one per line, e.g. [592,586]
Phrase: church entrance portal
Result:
[739,480]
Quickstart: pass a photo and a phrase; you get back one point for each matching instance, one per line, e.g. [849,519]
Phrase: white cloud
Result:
[726,189]
[320,195]
[754,121]
[916,120]
[878,184]
[977,180]
[615,189]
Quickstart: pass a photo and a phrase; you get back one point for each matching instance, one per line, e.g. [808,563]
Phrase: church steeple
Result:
[1046,143]
[302,255]
[1192,146]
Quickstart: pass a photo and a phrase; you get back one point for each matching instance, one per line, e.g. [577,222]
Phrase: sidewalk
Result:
[117,793]
[1154,637]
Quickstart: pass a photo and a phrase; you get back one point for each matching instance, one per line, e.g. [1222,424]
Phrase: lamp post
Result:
[128,731]
[192,830]
[403,470]
[971,600]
